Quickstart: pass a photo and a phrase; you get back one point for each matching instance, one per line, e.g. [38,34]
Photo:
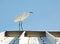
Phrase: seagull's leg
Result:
[21,25]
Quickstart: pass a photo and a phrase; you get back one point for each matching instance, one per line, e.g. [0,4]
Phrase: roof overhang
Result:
[27,33]
[13,33]
[55,33]
[35,34]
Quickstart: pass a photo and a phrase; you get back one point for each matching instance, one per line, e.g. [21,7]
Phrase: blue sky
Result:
[46,14]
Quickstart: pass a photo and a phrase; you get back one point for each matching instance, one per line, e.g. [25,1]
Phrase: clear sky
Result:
[46,14]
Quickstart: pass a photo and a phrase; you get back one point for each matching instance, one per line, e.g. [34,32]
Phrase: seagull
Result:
[21,17]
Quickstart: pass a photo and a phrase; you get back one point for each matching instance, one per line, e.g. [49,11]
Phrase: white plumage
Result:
[21,17]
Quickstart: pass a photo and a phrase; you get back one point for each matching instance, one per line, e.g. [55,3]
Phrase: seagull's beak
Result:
[30,12]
